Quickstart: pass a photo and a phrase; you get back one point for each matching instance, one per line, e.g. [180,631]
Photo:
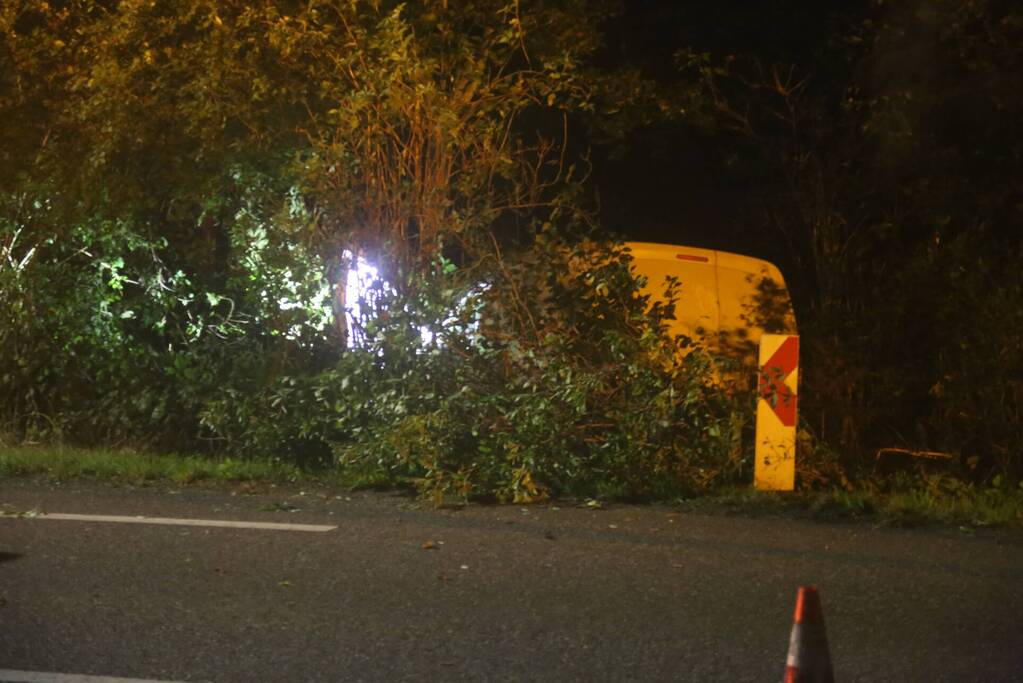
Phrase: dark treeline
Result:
[873,151]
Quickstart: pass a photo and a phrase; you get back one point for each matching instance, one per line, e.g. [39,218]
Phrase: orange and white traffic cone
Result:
[808,660]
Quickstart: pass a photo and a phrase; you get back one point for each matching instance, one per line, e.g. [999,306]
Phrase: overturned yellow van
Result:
[727,302]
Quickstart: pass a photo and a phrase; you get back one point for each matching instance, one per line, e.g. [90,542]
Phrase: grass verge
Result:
[928,500]
[130,466]
[924,504]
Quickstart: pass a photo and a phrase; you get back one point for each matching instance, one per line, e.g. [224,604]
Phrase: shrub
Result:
[103,342]
[548,374]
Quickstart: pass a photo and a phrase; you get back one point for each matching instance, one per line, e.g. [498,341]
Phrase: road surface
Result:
[401,591]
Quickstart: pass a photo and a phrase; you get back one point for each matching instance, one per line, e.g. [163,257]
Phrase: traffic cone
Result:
[808,660]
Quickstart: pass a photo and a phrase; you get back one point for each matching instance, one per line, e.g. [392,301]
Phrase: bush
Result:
[102,342]
[546,374]
[542,373]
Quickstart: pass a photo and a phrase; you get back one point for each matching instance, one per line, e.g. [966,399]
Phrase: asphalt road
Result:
[544,593]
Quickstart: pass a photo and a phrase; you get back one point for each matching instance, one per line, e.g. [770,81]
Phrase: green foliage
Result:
[397,122]
[546,376]
[185,176]
[417,144]
[947,498]
[178,180]
[102,341]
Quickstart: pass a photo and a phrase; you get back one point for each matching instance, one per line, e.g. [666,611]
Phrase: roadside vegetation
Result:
[934,500]
[62,463]
[173,263]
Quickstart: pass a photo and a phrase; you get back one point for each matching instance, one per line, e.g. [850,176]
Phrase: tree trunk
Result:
[337,279]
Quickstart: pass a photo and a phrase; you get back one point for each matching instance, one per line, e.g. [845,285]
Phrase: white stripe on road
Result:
[7,676]
[181,522]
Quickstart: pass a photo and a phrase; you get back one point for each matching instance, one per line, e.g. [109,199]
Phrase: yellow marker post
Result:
[775,468]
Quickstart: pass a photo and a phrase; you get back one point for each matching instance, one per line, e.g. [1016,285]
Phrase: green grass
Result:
[928,500]
[923,504]
[125,465]
[978,507]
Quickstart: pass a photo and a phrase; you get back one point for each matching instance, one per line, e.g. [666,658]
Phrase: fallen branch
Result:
[931,455]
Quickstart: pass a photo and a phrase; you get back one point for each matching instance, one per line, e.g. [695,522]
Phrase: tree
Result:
[382,128]
[887,163]
[200,155]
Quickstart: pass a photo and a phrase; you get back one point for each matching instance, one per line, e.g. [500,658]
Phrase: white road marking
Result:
[8,676]
[174,521]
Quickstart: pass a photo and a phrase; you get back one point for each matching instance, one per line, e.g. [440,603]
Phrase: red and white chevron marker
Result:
[809,660]
[775,465]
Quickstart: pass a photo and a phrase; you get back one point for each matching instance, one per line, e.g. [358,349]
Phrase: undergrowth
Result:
[547,374]
[933,502]
[969,506]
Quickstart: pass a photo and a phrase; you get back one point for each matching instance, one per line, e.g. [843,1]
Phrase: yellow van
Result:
[726,302]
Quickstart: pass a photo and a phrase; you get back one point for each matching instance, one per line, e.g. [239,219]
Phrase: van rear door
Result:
[727,301]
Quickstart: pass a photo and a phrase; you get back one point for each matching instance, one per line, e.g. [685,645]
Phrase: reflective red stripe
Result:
[773,388]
